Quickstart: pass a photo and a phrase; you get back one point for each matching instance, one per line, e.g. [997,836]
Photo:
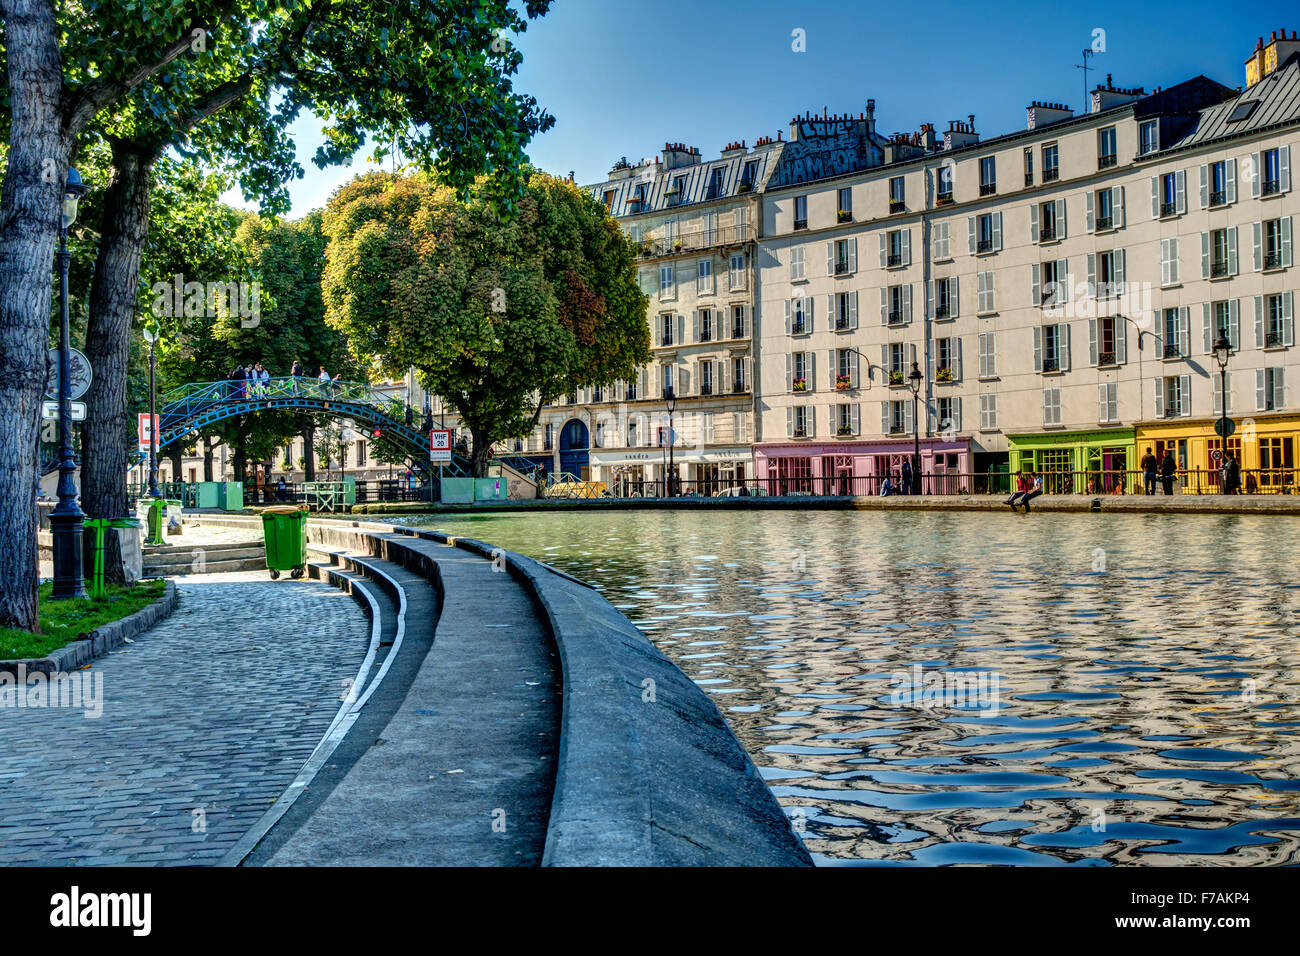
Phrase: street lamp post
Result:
[67,518]
[914,381]
[670,399]
[1222,352]
[151,336]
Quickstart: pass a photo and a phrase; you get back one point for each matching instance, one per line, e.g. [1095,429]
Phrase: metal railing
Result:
[694,241]
[1051,174]
[1107,161]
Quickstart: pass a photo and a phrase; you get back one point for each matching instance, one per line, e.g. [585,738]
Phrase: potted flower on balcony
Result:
[944,374]
[845,216]
[895,378]
[677,246]
[843,382]
[799,385]
[745,187]
[844,430]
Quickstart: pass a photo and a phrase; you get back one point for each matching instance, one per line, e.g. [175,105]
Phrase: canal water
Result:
[923,688]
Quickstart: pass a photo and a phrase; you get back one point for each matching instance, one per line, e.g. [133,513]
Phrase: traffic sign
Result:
[1216,454]
[440,444]
[76,411]
[1224,427]
[80,378]
[143,432]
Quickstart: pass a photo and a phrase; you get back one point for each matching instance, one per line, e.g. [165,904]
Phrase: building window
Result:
[846,311]
[706,326]
[989,412]
[894,246]
[1029,167]
[1051,159]
[796,264]
[704,279]
[844,203]
[897,305]
[899,412]
[629,391]
[1274,244]
[1172,398]
[706,377]
[895,363]
[944,299]
[945,184]
[609,200]
[846,419]
[737,321]
[940,235]
[1106,153]
[598,435]
[898,194]
[1107,331]
[988,233]
[631,434]
[1275,322]
[946,368]
[800,371]
[667,287]
[597,394]
[1051,406]
[667,322]
[748,176]
[736,273]
[988,176]
[1053,283]
[1148,137]
[548,437]
[845,258]
[1217,184]
[800,320]
[800,429]
[1276,461]
[1103,200]
[1051,348]
[1271,179]
[985,301]
[1047,221]
[1171,328]
[801,212]
[667,379]
[1270,389]
[1221,253]
[988,362]
[738,383]
[715,182]
[1169,204]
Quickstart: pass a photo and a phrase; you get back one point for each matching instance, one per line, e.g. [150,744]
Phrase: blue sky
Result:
[622,78]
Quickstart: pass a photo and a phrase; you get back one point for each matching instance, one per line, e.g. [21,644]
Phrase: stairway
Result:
[170,559]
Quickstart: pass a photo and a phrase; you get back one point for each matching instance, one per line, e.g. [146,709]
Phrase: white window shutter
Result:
[789,421]
[1036,285]
[789,372]
[1279,388]
[1234,325]
[1180,184]
[1205,255]
[930,298]
[884,305]
[855,369]
[832,368]
[1116,205]
[907,247]
[808,312]
[1038,348]
[787,317]
[1033,223]
[953,309]
[1061,230]
[970,227]
[1155,197]
[1256,174]
[1119,262]
[1164,263]
[1185,396]
[1257,245]
[1160,397]
[681,329]
[1261,398]
[884,418]
[1068,280]
[855,418]
[1063,335]
[1288,321]
[1207,326]
[1121,341]
[853,309]
[1092,341]
[997,232]
[853,254]
[907,417]
[907,303]
[1205,186]
[1285,226]
[1103,402]
[1092,274]
[1230,179]
[695,326]
[1260,339]
[830,258]
[810,373]
[1284,168]
[1090,211]
[884,250]
[1184,331]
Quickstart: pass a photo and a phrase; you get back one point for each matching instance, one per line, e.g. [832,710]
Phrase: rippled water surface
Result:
[1132,694]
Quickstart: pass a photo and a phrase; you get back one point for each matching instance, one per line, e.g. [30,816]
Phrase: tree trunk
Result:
[36,169]
[481,452]
[106,434]
[240,464]
[309,451]
[177,454]
[207,459]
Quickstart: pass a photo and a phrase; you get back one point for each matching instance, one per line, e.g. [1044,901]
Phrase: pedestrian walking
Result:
[1167,471]
[1231,476]
[905,480]
[237,382]
[1149,466]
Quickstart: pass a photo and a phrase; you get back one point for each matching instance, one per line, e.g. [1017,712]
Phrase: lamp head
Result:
[73,190]
[670,398]
[1222,350]
[915,379]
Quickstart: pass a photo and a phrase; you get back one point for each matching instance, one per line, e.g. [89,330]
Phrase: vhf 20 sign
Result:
[440,444]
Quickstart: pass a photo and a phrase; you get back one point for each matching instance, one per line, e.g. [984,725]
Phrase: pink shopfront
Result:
[858,468]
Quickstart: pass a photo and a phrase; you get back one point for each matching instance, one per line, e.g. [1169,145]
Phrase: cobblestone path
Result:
[206,719]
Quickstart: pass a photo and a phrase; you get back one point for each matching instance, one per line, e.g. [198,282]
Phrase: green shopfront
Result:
[1088,462]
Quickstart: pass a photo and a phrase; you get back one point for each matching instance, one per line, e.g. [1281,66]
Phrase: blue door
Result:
[574,448]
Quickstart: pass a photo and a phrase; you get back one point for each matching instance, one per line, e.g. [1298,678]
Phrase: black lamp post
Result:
[914,382]
[1222,352]
[67,517]
[670,399]
[151,336]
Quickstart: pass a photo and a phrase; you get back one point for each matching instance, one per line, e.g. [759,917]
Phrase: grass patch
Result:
[62,622]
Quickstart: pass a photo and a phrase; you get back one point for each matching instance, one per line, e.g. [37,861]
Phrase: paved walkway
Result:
[464,772]
[207,718]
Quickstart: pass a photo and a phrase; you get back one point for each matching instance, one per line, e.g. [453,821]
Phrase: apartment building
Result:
[692,223]
[1059,289]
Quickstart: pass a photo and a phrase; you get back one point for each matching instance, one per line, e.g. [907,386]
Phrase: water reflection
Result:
[1145,668]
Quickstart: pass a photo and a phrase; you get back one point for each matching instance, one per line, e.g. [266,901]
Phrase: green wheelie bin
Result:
[285,530]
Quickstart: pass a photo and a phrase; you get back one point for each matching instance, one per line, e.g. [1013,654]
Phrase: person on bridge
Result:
[237,382]
[297,370]
[263,381]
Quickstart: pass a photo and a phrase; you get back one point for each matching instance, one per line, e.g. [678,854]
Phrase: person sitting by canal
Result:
[886,487]
[905,479]
[1148,473]
[1167,471]
[1022,486]
[1035,489]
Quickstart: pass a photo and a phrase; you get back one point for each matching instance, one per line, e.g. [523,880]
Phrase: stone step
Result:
[210,566]
[181,547]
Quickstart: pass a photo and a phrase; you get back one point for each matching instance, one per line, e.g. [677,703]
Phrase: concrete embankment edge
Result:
[649,772]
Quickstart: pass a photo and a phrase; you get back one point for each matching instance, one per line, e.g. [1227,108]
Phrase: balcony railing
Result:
[1105,222]
[1051,365]
[943,199]
[988,189]
[1051,174]
[1171,350]
[1106,358]
[1049,296]
[1218,198]
[1107,161]
[1029,179]
[894,259]
[801,223]
[895,316]
[941,310]
[738,387]
[706,388]
[1218,269]
[1272,260]
[738,332]
[1273,339]
[841,268]
[841,323]
[630,394]
[984,245]
[1269,187]
[694,241]
[1168,209]
[898,205]
[1047,234]
[798,327]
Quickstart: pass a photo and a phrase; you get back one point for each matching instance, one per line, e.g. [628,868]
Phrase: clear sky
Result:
[622,77]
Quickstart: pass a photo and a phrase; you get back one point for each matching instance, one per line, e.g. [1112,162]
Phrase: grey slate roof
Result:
[1278,96]
[695,187]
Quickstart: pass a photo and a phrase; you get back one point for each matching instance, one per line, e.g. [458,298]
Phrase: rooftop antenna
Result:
[1086,53]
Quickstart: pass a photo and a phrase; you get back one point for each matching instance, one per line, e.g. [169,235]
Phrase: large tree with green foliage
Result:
[430,76]
[498,315]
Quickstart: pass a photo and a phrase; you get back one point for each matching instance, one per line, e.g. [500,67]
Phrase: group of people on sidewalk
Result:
[1165,469]
[905,483]
[254,381]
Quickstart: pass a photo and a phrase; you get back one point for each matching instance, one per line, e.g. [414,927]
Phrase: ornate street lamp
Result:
[914,381]
[67,517]
[1222,352]
[670,399]
[151,336]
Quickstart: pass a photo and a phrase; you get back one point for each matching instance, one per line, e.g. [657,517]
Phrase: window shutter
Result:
[1090,211]
[907,303]
[1103,403]
[997,232]
[1279,388]
[832,368]
[810,373]
[853,254]
[907,417]
[970,227]
[1033,223]
[1155,197]
[1207,324]
[884,305]
[1285,225]
[1185,395]
[956,358]
[1230,179]
[953,285]
[1164,263]
[1064,334]
[1092,341]
[1035,272]
[930,298]
[884,251]
[1261,398]
[1119,261]
[1160,398]
[1256,174]
[789,421]
[1288,321]
[810,416]
[1092,274]
[1180,184]
[1205,255]
[932,363]
[884,362]
[1038,348]
[1068,280]
[832,314]
[907,247]
[1257,245]
[855,418]
[644,379]
[1260,340]
[787,317]
[853,309]
[695,326]
[884,418]
[724,376]
[681,329]
[1060,219]
[1205,186]
[789,372]
[830,258]
[1184,331]
[1234,325]
[1116,205]
[1121,341]
[1284,168]
[854,369]
[808,312]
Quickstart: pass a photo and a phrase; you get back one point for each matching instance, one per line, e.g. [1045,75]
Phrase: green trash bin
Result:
[285,529]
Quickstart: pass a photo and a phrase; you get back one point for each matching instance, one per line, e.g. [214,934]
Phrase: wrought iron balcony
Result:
[1105,222]
[722,236]
[1218,198]
[1168,209]
[1273,339]
[1051,174]
[943,198]
[1107,161]
[1171,350]
[894,259]
[1269,187]
[801,223]
[1218,269]
[895,316]
[1051,365]
[1106,358]
[1047,234]
[898,205]
[988,189]
[984,245]
[941,310]
[1272,260]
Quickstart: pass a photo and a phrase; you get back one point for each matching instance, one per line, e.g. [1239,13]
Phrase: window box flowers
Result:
[944,374]
[895,378]
[844,430]
[843,382]
[799,385]
[845,215]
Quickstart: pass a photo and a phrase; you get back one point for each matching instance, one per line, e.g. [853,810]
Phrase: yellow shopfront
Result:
[1265,446]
